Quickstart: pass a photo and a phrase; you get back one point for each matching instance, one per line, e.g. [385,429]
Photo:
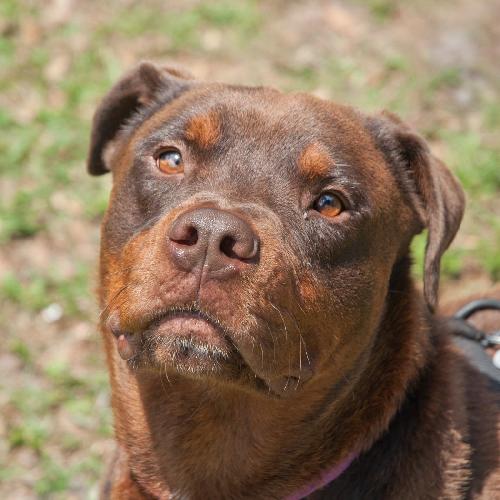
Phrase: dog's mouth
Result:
[189,334]
[191,342]
[184,340]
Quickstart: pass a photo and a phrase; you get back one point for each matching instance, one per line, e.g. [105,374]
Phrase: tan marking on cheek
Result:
[314,161]
[309,291]
[204,130]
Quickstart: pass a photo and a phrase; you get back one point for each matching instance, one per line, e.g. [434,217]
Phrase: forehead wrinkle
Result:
[204,130]
[314,161]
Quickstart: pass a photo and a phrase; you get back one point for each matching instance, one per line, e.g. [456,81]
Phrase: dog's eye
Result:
[170,162]
[329,205]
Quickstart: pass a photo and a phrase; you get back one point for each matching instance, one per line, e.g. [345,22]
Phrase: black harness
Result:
[473,341]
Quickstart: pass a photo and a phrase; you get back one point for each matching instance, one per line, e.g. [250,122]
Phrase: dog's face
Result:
[251,235]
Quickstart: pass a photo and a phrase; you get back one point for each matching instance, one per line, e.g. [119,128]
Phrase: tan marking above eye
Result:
[170,162]
[329,205]
[204,130]
[314,161]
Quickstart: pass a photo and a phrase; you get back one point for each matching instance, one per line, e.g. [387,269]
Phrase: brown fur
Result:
[204,130]
[314,162]
[332,349]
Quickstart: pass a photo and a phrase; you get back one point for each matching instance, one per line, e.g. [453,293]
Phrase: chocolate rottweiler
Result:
[264,336]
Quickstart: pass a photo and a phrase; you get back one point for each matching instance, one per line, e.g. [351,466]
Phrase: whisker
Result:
[289,373]
[274,341]
[111,301]
[296,276]
[305,349]
[300,364]
[282,319]
[164,365]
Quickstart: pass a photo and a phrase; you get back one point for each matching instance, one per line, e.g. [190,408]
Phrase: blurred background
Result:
[434,63]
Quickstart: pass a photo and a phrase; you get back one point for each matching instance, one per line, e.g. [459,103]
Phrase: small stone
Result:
[52,313]
[212,40]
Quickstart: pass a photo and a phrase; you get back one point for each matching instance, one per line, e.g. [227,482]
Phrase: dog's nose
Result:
[223,243]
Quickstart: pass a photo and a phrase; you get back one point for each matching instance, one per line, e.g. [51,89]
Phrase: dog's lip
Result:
[197,326]
[152,320]
[163,317]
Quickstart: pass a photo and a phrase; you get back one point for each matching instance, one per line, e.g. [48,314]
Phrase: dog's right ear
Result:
[136,90]
[432,190]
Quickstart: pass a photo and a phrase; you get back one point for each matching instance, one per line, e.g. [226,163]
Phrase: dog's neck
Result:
[189,437]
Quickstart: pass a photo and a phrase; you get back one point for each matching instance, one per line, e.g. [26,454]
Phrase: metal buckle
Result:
[465,329]
[491,339]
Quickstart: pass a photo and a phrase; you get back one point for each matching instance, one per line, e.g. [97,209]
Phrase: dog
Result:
[264,335]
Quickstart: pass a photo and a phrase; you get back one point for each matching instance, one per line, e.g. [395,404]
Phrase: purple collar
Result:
[325,478]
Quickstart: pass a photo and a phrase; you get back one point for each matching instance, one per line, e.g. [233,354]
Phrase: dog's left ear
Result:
[434,193]
[134,91]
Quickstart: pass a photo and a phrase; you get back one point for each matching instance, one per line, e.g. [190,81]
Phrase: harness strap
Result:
[473,341]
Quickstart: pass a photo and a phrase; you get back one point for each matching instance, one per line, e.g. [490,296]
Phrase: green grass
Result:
[488,254]
[182,27]
[23,352]
[382,9]
[11,10]
[55,479]
[476,164]
[32,433]
[34,291]
[36,430]
[451,263]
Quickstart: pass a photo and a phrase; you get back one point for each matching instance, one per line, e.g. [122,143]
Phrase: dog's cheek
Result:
[111,282]
[264,311]
[351,302]
[122,219]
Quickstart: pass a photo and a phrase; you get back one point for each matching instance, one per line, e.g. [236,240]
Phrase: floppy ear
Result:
[433,191]
[139,88]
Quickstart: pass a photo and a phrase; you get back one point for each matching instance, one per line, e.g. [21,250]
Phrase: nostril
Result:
[186,235]
[242,249]
[227,247]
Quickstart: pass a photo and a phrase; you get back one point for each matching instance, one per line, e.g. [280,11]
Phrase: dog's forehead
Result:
[262,120]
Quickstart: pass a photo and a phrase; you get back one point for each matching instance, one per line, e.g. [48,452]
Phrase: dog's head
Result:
[251,235]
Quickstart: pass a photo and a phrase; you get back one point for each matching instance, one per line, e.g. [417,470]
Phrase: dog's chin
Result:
[195,345]
[188,342]
[191,345]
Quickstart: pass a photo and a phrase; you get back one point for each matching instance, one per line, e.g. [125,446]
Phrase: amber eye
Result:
[170,162]
[329,205]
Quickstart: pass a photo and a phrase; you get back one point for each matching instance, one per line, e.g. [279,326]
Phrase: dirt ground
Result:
[434,63]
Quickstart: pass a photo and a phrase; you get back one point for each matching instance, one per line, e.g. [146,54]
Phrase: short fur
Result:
[319,345]
[204,130]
